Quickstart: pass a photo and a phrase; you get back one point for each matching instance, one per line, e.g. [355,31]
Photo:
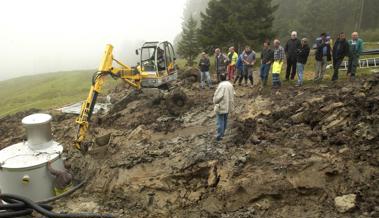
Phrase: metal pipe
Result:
[363,63]
[38,130]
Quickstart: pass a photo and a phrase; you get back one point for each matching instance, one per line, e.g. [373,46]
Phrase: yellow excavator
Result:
[156,70]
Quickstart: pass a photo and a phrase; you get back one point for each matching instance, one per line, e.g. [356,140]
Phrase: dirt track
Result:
[287,153]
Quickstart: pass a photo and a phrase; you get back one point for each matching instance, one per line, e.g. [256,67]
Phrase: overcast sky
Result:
[38,36]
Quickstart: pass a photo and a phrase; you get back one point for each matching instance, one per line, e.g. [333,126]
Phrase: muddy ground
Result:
[287,153]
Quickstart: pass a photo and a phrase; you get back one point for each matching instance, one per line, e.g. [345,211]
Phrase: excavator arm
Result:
[106,68]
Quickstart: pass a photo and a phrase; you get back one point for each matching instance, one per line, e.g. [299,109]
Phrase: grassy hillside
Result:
[44,90]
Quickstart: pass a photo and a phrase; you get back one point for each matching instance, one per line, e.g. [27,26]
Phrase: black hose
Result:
[16,205]
[72,190]
[9,214]
[30,204]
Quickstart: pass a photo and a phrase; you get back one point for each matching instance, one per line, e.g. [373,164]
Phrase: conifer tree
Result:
[188,46]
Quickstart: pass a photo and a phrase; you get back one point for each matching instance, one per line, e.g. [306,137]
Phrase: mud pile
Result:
[287,153]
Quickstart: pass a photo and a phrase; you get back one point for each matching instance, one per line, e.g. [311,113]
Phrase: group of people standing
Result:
[296,53]
[240,68]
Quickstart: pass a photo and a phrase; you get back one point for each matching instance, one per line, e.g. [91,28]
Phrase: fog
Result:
[49,35]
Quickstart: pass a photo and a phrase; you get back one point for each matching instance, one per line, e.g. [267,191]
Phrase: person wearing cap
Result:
[323,55]
[62,180]
[204,65]
[233,57]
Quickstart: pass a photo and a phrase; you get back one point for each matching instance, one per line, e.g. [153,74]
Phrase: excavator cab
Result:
[157,64]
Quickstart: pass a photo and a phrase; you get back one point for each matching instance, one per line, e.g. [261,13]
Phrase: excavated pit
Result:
[287,153]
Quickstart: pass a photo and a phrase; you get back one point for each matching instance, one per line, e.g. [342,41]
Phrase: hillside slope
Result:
[44,91]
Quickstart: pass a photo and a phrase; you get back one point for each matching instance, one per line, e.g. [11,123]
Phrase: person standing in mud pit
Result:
[204,65]
[223,100]
[278,63]
[221,63]
[63,179]
[248,59]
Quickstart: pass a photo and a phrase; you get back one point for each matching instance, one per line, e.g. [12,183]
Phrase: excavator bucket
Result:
[103,140]
[177,102]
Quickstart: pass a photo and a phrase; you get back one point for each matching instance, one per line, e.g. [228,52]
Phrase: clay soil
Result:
[287,153]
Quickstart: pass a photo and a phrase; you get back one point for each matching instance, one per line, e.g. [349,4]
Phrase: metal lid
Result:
[20,156]
[36,119]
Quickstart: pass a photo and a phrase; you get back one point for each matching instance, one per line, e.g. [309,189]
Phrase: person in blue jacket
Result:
[239,66]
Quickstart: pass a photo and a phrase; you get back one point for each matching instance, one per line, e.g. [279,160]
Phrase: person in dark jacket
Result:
[291,48]
[221,63]
[323,55]
[302,58]
[204,65]
[340,51]
[248,60]
[267,58]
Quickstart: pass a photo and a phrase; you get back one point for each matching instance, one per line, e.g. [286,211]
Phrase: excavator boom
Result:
[98,80]
[157,69]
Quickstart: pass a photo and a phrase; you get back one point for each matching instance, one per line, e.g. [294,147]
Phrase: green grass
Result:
[44,91]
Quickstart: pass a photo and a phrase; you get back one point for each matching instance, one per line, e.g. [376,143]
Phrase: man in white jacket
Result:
[224,104]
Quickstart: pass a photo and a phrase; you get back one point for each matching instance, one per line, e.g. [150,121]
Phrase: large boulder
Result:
[345,203]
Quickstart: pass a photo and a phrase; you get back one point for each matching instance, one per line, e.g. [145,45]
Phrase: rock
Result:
[344,150]
[139,133]
[331,107]
[266,112]
[195,196]
[316,100]
[340,122]
[345,203]
[360,95]
[213,177]
[297,118]
[346,90]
